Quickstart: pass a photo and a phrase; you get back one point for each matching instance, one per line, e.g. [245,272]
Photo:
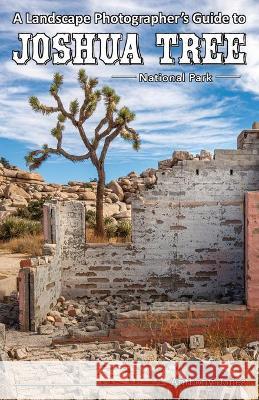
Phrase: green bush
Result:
[108,220]
[87,185]
[90,217]
[124,228]
[5,163]
[14,227]
[111,230]
[34,210]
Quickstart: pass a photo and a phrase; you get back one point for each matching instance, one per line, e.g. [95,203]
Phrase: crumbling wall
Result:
[40,278]
[252,250]
[39,288]
[188,236]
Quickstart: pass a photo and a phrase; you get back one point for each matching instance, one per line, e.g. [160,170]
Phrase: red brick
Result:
[25,263]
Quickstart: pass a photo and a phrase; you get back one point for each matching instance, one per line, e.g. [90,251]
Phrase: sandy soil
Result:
[9,268]
[10,263]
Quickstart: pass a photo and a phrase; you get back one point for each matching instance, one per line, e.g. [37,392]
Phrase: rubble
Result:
[114,350]
[88,315]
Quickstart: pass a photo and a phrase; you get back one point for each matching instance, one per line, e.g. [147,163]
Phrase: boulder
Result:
[205,155]
[72,189]
[165,164]
[113,196]
[5,205]
[87,195]
[132,174]
[116,188]
[29,176]
[148,172]
[122,215]
[12,190]
[36,196]
[181,156]
[125,182]
[150,180]
[9,173]
[48,189]
[110,209]
[19,201]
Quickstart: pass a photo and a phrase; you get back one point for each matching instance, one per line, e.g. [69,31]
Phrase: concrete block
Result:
[196,342]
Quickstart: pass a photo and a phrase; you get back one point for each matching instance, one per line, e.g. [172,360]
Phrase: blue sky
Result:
[170,116]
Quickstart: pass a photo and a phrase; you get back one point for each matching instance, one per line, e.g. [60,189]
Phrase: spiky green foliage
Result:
[125,116]
[111,99]
[57,131]
[74,107]
[35,103]
[93,82]
[36,157]
[61,118]
[38,107]
[82,78]
[57,83]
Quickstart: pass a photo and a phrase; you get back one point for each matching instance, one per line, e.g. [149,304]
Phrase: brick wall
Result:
[252,250]
[39,289]
[188,236]
[188,239]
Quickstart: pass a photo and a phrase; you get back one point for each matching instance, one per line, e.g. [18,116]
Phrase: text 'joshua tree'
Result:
[113,124]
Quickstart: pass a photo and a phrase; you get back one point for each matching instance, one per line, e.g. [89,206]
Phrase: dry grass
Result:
[230,331]
[172,327]
[29,244]
[91,237]
[163,327]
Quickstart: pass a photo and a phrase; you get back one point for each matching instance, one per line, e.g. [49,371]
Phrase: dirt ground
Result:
[9,268]
[10,263]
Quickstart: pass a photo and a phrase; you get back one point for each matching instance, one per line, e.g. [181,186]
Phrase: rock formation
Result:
[18,188]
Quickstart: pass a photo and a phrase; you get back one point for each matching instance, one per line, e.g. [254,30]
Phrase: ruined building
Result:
[195,238]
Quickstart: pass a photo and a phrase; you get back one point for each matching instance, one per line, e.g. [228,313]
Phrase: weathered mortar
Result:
[187,240]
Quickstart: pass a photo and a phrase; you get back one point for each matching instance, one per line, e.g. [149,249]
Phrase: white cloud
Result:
[168,115]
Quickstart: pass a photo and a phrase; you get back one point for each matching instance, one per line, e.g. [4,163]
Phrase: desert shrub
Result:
[124,228]
[110,230]
[34,211]
[87,185]
[90,217]
[13,227]
[5,163]
[28,244]
[23,213]
[108,220]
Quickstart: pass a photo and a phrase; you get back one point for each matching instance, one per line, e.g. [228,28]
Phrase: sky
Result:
[169,116]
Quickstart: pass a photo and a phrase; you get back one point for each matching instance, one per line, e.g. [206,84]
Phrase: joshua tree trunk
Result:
[113,124]
[99,202]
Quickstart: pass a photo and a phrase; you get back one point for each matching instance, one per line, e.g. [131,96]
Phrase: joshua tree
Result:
[114,123]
